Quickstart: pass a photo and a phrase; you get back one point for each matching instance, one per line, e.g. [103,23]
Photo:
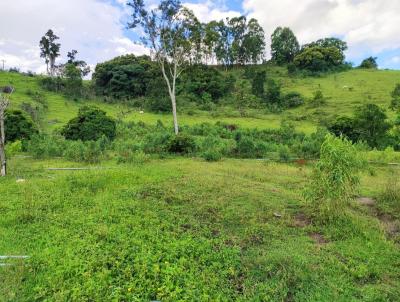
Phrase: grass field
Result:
[344,92]
[235,230]
[182,229]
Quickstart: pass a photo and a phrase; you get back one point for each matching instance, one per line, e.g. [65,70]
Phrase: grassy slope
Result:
[367,86]
[162,232]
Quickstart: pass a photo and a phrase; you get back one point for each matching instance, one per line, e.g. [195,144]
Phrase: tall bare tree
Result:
[4,102]
[171,33]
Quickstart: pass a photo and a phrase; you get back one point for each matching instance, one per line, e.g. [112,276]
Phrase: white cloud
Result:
[211,10]
[369,26]
[93,27]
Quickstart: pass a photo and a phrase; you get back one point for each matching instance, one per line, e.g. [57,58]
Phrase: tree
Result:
[82,65]
[254,42]
[372,125]
[284,46]
[4,102]
[17,126]
[50,50]
[329,42]
[369,63]
[319,59]
[168,33]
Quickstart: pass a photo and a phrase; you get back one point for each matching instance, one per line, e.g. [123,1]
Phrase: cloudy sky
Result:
[97,28]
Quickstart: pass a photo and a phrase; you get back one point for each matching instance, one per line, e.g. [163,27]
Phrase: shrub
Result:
[46,146]
[335,178]
[134,157]
[13,148]
[293,100]
[257,84]
[372,125]
[395,103]
[273,94]
[318,99]
[345,126]
[17,126]
[90,124]
[182,144]
[319,58]
[284,153]
[212,155]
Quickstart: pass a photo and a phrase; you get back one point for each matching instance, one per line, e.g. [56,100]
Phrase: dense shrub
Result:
[17,126]
[212,155]
[292,100]
[127,77]
[90,124]
[202,79]
[257,84]
[395,103]
[182,144]
[346,127]
[46,146]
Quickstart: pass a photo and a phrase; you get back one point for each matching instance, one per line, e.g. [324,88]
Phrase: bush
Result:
[395,103]
[319,58]
[212,155]
[182,144]
[292,100]
[335,180]
[257,84]
[17,126]
[318,99]
[46,146]
[90,124]
[135,157]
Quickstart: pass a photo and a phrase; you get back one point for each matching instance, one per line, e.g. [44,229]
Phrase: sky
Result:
[97,28]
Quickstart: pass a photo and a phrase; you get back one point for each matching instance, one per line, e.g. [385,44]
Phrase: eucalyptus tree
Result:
[254,42]
[284,46]
[50,50]
[171,34]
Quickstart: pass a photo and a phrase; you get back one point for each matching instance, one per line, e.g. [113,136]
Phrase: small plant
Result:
[335,179]
[318,99]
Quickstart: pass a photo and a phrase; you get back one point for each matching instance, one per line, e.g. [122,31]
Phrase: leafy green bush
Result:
[212,155]
[90,124]
[257,84]
[335,180]
[46,146]
[292,100]
[17,126]
[182,144]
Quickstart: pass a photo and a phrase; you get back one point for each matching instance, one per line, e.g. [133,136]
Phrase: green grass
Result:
[187,230]
[366,87]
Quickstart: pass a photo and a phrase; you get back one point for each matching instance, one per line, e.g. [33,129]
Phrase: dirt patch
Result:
[301,220]
[319,239]
[366,201]
[391,227]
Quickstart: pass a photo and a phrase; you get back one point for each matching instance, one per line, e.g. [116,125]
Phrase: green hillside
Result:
[344,92]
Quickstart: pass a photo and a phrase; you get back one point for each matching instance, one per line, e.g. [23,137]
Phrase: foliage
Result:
[50,50]
[319,59]
[127,77]
[181,144]
[292,100]
[372,125]
[201,79]
[395,103]
[369,124]
[90,124]
[284,46]
[18,126]
[335,179]
[257,84]
[369,63]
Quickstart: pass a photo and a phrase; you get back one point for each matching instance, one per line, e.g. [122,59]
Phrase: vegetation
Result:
[369,63]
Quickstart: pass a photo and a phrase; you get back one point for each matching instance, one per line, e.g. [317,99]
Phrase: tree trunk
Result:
[3,161]
[173,101]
